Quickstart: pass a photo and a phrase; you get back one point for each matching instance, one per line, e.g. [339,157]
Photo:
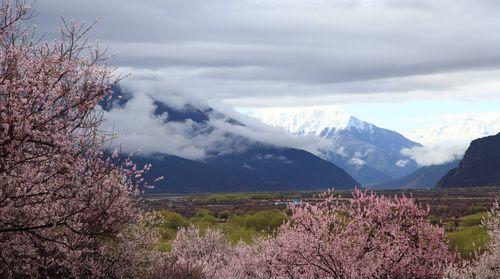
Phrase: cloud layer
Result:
[264,53]
[435,154]
[140,130]
[268,53]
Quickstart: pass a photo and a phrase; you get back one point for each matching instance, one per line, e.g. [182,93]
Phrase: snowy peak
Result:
[369,153]
[458,129]
[318,120]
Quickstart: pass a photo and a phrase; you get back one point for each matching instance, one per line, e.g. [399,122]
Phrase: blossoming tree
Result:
[368,236]
[65,211]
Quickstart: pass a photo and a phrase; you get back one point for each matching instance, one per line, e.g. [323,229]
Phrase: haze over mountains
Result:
[425,177]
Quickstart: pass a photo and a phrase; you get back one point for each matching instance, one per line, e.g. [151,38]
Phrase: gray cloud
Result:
[268,49]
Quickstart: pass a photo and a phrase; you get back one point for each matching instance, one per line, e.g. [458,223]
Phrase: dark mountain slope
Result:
[364,174]
[287,168]
[480,165]
[189,176]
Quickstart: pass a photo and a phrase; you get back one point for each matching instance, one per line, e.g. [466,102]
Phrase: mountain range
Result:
[369,153]
[198,148]
[234,162]
[458,129]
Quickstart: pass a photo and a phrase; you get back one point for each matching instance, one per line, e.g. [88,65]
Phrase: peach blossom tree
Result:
[368,236]
[65,209]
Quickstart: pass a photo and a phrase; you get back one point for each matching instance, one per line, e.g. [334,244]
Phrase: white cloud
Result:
[402,163]
[271,157]
[434,155]
[299,53]
[356,161]
[139,129]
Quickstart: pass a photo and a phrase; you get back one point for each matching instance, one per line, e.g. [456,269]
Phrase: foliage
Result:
[195,255]
[469,237]
[228,198]
[477,208]
[266,221]
[236,227]
[224,214]
[371,236]
[172,220]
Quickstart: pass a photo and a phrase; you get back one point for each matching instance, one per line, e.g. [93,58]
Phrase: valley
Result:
[249,139]
[248,215]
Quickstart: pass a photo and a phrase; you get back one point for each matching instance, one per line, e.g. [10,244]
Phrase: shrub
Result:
[370,237]
[194,255]
[473,220]
[468,240]
[476,209]
[173,220]
[224,214]
[267,221]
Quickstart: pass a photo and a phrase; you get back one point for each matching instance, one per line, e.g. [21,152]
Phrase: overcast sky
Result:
[399,64]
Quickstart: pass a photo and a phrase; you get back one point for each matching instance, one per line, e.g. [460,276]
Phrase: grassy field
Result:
[469,237]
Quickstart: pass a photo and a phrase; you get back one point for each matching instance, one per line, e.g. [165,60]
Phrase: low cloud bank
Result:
[139,129]
[435,154]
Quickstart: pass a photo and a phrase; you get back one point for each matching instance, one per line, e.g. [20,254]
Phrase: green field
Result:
[469,236]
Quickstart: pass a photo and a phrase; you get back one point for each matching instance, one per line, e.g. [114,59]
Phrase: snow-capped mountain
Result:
[460,129]
[320,121]
[369,153]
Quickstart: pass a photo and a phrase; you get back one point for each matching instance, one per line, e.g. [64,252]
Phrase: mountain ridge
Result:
[460,129]
[369,153]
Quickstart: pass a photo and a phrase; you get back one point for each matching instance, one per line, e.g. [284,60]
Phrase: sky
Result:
[398,64]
